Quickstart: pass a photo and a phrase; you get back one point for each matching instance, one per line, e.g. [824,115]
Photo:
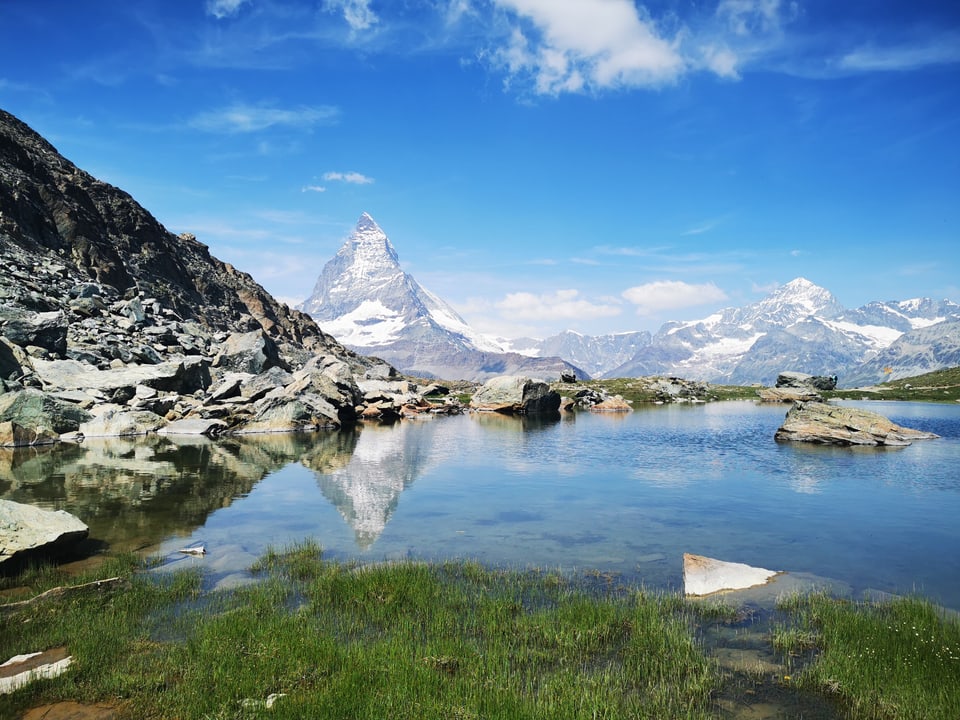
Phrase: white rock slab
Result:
[22,670]
[704,576]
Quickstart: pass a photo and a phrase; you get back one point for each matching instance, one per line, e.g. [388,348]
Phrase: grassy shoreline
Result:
[457,640]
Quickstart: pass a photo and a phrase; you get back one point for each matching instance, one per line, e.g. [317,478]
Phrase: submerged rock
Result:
[818,422]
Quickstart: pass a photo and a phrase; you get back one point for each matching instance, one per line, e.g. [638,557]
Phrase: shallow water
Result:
[627,494]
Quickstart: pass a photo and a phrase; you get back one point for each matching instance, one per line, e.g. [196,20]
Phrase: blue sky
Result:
[597,165]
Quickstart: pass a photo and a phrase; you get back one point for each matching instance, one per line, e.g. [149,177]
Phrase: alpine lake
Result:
[619,495]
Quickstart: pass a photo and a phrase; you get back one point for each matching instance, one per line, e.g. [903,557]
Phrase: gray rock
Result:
[276,378]
[183,376]
[37,411]
[516,395]
[251,352]
[788,395]
[822,423]
[47,330]
[802,381]
[307,411]
[119,422]
[24,528]
[210,427]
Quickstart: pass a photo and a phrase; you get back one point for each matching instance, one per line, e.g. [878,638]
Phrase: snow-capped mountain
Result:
[365,300]
[800,327]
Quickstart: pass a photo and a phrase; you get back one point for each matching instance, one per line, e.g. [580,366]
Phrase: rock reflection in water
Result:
[133,492]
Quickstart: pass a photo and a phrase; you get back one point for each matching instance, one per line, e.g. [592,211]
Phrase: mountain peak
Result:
[805,296]
[366,224]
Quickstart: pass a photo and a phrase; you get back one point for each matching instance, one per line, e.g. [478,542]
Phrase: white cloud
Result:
[313,188]
[242,118]
[751,17]
[664,295]
[559,305]
[942,51]
[357,13]
[591,44]
[354,178]
[224,8]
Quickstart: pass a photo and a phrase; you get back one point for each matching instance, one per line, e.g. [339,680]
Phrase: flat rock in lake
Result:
[818,422]
[704,576]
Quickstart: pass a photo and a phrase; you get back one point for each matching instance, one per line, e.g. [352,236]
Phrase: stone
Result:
[15,435]
[516,395]
[276,378]
[822,423]
[783,395]
[118,422]
[194,426]
[21,670]
[183,376]
[612,403]
[47,330]
[39,412]
[305,412]
[802,381]
[705,576]
[25,528]
[251,352]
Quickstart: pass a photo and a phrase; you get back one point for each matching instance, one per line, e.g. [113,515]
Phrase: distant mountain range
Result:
[368,303]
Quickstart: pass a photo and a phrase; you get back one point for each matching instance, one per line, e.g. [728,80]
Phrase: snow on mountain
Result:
[800,326]
[365,300]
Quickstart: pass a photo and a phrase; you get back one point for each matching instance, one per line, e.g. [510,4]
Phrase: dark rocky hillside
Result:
[48,206]
[112,325]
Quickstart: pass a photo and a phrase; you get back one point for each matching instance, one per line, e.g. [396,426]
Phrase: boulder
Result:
[185,376]
[9,362]
[25,528]
[516,395]
[276,378]
[38,412]
[704,576]
[822,423]
[194,426]
[251,352]
[47,330]
[783,395]
[15,435]
[114,421]
[307,411]
[802,381]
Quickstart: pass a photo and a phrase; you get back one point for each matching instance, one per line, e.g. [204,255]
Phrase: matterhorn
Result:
[366,301]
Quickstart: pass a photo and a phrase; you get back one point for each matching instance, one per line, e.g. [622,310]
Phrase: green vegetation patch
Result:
[898,660]
[322,639]
[937,386]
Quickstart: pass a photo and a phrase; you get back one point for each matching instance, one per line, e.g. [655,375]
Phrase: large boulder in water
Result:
[818,422]
[25,528]
[516,395]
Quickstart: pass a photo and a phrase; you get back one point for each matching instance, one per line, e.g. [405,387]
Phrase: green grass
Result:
[898,660]
[453,640]
[938,386]
[457,640]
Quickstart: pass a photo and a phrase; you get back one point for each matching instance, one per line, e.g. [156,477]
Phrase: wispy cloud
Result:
[354,178]
[224,8]
[559,305]
[357,13]
[938,51]
[663,295]
[243,118]
[313,188]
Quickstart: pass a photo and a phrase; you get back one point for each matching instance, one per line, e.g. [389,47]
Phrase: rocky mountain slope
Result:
[364,299]
[111,324]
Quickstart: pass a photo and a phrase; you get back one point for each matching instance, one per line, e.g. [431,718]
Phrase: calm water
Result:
[622,493]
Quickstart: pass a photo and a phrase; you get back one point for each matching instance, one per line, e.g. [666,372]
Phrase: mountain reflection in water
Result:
[626,494]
